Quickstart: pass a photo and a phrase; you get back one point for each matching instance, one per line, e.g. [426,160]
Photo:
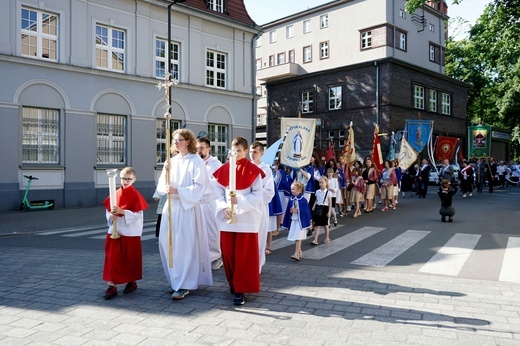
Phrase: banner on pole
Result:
[419,132]
[479,141]
[445,149]
[299,144]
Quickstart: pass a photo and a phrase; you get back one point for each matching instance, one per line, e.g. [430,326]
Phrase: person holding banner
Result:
[239,195]
[371,177]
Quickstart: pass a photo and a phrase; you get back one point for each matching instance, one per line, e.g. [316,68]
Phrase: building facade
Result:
[78,90]
[365,61]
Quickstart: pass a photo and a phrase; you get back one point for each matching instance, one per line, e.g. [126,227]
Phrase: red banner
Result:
[377,156]
[330,152]
[445,148]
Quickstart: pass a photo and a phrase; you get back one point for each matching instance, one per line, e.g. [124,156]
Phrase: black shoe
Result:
[111,292]
[231,290]
[309,232]
[450,219]
[239,299]
[443,219]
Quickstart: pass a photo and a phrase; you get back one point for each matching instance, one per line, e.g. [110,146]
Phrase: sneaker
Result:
[239,299]
[217,264]
[348,208]
[384,209]
[111,292]
[464,195]
[130,287]
[180,294]
[470,194]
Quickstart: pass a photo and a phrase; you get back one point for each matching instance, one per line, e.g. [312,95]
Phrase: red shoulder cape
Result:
[128,199]
[246,174]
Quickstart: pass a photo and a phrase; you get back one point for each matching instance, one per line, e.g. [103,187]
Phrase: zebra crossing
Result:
[448,260]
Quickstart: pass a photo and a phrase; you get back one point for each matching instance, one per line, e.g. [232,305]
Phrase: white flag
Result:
[407,156]
[299,144]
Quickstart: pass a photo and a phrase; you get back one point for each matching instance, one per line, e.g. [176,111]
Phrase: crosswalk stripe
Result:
[391,250]
[341,243]
[81,234]
[511,262]
[452,256]
[283,242]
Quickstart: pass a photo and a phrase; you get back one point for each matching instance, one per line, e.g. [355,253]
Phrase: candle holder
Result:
[112,173]
[232,220]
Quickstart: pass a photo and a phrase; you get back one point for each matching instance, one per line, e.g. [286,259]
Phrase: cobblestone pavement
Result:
[54,297]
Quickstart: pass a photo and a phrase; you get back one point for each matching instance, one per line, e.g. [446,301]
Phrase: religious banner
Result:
[479,141]
[349,150]
[330,152]
[445,148]
[407,156]
[419,133]
[377,155]
[299,142]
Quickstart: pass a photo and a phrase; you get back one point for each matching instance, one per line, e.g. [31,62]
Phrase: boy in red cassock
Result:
[123,256]
[239,241]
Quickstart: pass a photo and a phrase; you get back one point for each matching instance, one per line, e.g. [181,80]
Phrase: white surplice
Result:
[267,196]
[190,249]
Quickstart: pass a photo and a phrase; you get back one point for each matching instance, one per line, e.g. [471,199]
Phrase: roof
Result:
[235,10]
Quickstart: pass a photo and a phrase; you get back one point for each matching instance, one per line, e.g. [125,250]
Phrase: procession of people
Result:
[217,214]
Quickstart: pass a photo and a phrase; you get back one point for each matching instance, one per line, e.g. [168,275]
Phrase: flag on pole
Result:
[377,156]
[298,146]
[330,152]
[407,156]
[349,150]
[445,148]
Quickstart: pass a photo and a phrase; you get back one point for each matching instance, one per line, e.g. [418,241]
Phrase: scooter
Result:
[26,205]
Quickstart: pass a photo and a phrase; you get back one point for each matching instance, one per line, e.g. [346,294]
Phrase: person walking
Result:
[322,211]
[466,179]
[297,219]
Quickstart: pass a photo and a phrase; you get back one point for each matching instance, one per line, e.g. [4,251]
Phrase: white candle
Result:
[112,186]
[232,171]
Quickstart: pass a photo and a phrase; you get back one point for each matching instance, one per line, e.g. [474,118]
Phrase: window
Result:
[291,56]
[341,143]
[432,28]
[324,21]
[111,138]
[432,52]
[324,50]
[289,31]
[433,100]
[161,58]
[306,26]
[341,133]
[160,126]
[258,64]
[366,39]
[402,14]
[110,48]
[446,103]
[418,97]
[259,90]
[307,101]
[271,60]
[331,134]
[259,42]
[307,54]
[218,136]
[272,37]
[39,34]
[215,69]
[335,97]
[402,41]
[281,58]
[216,5]
[40,135]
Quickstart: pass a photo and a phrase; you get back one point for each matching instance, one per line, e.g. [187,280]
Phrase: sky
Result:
[265,11]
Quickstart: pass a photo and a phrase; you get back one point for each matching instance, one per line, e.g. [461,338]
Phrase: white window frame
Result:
[272,61]
[324,50]
[418,97]
[307,54]
[341,133]
[446,103]
[280,58]
[402,41]
[258,42]
[433,100]
[289,31]
[341,142]
[307,101]
[335,94]
[111,137]
[432,52]
[432,27]
[292,56]
[114,54]
[40,136]
[216,63]
[272,36]
[160,127]
[218,136]
[216,5]
[43,40]
[331,134]
[161,58]
[402,13]
[258,64]
[306,26]
[366,39]
[324,21]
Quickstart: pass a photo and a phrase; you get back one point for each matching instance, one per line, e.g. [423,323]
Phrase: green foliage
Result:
[413,5]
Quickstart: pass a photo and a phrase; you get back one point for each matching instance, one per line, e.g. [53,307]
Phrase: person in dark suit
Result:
[491,173]
[424,176]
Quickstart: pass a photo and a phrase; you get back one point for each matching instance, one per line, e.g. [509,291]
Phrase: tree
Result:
[413,5]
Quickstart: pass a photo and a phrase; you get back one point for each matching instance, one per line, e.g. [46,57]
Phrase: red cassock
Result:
[240,249]
[124,256]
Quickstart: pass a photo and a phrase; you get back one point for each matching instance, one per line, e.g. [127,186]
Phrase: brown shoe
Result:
[130,287]
[111,292]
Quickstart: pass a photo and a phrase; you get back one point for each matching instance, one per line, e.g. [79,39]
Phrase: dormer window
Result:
[216,5]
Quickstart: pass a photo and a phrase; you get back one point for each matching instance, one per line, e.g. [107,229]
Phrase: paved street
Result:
[51,288]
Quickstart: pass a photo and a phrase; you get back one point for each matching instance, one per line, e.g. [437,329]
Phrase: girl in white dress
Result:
[297,219]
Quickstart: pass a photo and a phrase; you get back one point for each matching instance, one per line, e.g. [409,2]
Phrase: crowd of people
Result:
[209,217]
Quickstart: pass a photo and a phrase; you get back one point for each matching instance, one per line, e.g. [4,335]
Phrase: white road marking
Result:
[510,271]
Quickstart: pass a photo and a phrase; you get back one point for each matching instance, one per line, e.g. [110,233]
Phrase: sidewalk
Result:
[17,222]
